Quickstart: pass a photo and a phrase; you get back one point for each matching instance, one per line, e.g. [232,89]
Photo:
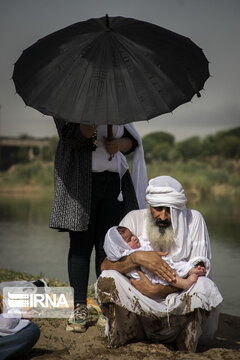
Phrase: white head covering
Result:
[167,191]
[114,245]
[138,171]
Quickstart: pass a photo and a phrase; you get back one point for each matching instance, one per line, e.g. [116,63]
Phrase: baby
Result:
[120,242]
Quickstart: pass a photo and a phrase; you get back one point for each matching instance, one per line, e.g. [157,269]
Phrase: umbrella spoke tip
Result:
[107,23]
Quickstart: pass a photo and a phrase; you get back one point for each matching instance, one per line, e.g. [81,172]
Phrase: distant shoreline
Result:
[36,191]
[200,179]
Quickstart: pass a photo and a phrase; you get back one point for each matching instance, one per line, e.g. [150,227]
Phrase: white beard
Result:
[159,241]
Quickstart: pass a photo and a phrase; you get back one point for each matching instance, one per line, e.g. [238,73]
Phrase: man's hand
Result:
[88,130]
[148,289]
[152,261]
[143,285]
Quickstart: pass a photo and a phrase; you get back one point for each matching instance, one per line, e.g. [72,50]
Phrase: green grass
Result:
[11,275]
[200,176]
[36,174]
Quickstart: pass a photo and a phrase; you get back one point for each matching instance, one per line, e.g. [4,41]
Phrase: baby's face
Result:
[130,239]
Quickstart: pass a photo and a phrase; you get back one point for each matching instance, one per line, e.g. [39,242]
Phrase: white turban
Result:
[165,191]
[168,192]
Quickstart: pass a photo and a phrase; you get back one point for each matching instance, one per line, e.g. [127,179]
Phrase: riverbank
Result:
[200,179]
[56,343]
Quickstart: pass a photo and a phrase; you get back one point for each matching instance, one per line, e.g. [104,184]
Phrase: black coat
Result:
[73,180]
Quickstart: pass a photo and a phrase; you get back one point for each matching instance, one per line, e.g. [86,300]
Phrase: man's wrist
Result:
[159,290]
[133,259]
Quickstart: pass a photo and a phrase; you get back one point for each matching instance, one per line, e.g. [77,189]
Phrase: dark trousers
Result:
[12,346]
[105,212]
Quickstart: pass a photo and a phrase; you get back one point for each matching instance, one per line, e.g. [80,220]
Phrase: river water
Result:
[27,243]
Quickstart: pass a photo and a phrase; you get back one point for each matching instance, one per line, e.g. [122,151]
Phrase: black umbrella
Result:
[110,71]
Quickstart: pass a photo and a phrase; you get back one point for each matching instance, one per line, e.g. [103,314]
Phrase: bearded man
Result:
[137,309]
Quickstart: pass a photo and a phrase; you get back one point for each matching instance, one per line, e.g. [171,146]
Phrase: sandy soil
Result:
[56,343]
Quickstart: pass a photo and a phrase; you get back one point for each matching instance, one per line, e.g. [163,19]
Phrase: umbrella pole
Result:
[109,132]
[110,137]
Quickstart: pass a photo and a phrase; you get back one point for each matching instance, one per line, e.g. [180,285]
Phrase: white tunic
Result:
[199,245]
[204,294]
[116,248]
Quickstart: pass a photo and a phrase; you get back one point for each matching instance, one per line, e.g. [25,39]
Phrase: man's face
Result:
[161,216]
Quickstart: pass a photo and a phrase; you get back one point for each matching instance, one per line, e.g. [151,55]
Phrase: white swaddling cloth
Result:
[115,248]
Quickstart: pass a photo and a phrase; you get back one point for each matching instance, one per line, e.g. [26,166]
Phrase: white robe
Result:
[116,248]
[113,287]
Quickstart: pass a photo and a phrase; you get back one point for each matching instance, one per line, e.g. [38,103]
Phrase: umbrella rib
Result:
[127,47]
[86,74]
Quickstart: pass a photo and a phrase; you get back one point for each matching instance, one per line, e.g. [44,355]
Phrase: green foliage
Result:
[229,147]
[162,147]
[190,148]
[25,136]
[48,153]
[199,164]
[161,151]
[159,140]
[198,175]
[209,146]
[35,173]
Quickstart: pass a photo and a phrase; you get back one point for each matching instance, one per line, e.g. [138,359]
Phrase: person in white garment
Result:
[138,309]
[17,335]
[119,242]
[93,190]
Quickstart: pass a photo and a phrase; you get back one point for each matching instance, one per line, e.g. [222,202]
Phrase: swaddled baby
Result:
[120,242]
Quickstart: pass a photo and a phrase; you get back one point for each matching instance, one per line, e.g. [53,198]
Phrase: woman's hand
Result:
[152,261]
[88,130]
[111,146]
[115,145]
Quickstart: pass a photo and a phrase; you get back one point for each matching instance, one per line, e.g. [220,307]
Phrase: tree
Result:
[161,151]
[159,140]
[190,148]
[47,153]
[229,147]
[209,146]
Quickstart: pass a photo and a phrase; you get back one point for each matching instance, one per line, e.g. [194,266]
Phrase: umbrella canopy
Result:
[112,70]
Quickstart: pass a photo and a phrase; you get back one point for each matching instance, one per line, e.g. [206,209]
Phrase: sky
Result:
[212,24]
